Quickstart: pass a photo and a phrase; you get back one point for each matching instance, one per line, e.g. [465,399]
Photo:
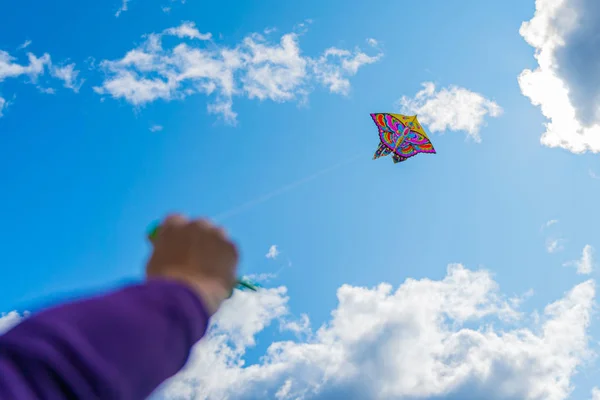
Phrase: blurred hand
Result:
[198,254]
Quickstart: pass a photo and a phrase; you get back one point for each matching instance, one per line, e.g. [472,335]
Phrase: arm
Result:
[122,345]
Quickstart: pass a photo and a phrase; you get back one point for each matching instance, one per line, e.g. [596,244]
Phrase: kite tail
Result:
[381,151]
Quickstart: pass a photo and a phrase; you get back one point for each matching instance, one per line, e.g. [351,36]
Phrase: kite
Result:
[400,135]
[241,283]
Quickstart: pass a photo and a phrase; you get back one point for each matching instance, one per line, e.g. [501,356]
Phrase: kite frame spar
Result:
[400,135]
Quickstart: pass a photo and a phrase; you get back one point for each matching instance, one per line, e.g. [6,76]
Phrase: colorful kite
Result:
[401,135]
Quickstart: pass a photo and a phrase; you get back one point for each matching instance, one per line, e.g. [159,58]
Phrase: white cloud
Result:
[427,339]
[3,106]
[156,128]
[36,68]
[167,9]
[593,175]
[25,45]
[273,252]
[124,7]
[9,68]
[550,223]
[187,30]
[554,245]
[596,393]
[8,320]
[68,74]
[262,277]
[334,67]
[585,265]
[301,326]
[255,68]
[566,83]
[46,90]
[453,108]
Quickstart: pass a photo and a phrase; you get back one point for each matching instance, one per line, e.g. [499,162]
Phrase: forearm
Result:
[119,346]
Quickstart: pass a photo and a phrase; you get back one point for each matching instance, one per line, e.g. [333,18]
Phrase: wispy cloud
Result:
[451,109]
[10,68]
[3,106]
[549,223]
[36,68]
[585,264]
[593,175]
[124,7]
[46,90]
[25,44]
[156,128]
[255,68]
[68,74]
[297,326]
[273,252]
[167,8]
[554,245]
[262,277]
[188,30]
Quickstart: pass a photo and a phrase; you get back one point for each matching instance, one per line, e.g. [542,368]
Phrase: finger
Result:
[174,220]
[170,223]
[201,223]
[233,248]
[234,260]
[221,233]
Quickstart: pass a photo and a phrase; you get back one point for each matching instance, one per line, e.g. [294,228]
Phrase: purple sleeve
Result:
[122,345]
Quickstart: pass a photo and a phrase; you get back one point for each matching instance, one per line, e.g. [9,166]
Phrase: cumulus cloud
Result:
[255,68]
[453,109]
[273,252]
[425,339]
[8,320]
[566,83]
[585,264]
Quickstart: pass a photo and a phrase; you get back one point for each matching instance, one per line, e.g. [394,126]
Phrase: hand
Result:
[198,254]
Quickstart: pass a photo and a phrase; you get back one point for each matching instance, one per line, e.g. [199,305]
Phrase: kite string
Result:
[265,197]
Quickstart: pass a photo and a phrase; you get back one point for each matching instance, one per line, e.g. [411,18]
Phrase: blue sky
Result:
[86,168]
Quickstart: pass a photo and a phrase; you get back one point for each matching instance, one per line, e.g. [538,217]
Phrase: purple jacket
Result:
[122,345]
